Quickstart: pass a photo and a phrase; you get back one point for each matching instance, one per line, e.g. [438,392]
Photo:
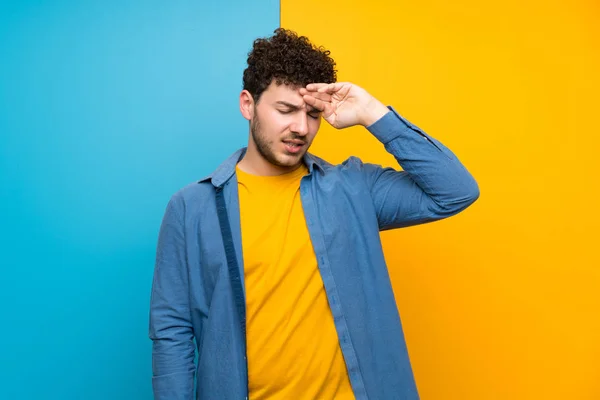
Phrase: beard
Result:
[266,148]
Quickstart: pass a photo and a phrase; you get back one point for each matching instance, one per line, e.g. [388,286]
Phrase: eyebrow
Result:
[296,107]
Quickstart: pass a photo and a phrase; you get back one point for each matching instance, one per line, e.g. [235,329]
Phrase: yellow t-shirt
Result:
[293,348]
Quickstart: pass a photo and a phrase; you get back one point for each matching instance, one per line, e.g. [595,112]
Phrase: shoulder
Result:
[350,164]
[351,176]
[197,193]
[192,197]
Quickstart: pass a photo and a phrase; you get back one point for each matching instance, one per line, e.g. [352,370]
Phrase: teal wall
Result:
[106,109]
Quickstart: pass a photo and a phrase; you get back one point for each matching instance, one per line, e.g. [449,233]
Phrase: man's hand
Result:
[344,104]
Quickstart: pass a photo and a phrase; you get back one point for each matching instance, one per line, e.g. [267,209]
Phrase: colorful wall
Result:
[502,301]
[108,107]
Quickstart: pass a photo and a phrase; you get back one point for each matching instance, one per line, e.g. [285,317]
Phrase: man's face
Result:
[283,126]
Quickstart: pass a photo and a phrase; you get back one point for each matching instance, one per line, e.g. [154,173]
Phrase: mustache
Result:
[303,140]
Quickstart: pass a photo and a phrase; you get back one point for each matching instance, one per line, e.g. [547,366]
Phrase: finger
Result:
[313,87]
[321,96]
[314,102]
[331,87]
[324,107]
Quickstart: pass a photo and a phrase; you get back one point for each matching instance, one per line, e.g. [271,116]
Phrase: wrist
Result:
[373,112]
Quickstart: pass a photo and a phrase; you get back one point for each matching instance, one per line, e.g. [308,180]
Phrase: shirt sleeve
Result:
[171,331]
[433,185]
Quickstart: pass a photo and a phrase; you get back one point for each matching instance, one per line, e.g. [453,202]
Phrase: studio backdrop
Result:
[109,107]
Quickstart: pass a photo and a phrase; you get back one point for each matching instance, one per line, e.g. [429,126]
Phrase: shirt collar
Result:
[227,168]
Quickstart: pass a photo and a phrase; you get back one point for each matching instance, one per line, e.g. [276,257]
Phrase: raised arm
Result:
[433,184]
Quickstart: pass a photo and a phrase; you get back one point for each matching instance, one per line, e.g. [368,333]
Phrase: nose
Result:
[300,126]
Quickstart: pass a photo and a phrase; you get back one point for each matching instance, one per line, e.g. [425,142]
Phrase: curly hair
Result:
[288,59]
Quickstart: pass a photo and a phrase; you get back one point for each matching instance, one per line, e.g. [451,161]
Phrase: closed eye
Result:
[314,114]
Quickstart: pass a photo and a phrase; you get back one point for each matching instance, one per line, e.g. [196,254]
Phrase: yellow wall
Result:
[501,301]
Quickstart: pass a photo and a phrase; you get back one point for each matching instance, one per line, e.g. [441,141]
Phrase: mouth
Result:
[293,146]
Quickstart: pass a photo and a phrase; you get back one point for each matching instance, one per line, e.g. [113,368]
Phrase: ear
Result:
[247,105]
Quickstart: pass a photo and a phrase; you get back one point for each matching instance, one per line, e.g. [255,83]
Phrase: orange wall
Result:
[501,301]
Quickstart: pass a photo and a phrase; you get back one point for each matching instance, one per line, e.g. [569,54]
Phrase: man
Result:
[272,266]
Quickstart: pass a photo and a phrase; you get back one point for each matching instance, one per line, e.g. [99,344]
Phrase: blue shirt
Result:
[197,302]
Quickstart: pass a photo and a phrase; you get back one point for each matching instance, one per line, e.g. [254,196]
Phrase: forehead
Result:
[289,93]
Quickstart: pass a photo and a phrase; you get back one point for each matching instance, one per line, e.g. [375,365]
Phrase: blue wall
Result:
[106,109]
